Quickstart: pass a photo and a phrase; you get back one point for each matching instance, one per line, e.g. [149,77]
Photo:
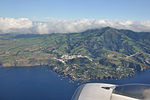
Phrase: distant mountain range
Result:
[92,54]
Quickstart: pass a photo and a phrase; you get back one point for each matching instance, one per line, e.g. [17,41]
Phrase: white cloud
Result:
[8,25]
[24,25]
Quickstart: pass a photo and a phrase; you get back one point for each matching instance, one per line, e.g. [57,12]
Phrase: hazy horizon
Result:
[25,25]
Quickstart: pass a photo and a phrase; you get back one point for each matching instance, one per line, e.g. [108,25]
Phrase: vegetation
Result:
[93,54]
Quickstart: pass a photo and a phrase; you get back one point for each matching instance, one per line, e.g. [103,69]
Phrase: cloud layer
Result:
[24,25]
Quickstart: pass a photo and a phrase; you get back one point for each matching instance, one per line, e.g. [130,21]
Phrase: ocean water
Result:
[34,83]
[38,83]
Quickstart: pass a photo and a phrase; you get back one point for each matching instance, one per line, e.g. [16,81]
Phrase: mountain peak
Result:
[109,29]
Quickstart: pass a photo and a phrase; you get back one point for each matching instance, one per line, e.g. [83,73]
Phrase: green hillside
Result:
[93,54]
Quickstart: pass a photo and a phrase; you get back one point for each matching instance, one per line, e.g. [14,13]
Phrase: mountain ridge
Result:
[92,54]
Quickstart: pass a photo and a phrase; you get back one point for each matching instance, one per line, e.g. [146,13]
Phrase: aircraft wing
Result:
[100,91]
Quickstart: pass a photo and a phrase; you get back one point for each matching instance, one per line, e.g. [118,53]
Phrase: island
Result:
[90,55]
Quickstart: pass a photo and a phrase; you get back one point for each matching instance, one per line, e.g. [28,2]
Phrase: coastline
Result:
[72,78]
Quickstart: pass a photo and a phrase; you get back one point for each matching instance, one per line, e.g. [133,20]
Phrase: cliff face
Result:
[93,54]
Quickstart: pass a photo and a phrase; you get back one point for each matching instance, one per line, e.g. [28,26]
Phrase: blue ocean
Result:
[39,83]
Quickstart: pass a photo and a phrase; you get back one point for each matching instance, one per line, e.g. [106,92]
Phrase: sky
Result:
[76,9]
[62,16]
